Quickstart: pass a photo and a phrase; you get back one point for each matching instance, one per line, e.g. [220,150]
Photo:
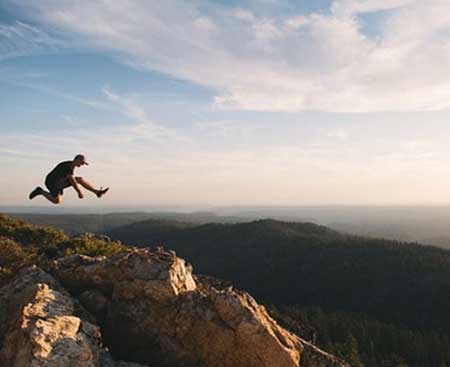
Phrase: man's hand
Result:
[74,184]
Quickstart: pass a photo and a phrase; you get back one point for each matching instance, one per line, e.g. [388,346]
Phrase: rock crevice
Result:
[42,325]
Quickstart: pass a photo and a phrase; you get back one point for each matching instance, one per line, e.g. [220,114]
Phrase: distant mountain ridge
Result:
[427,225]
[100,223]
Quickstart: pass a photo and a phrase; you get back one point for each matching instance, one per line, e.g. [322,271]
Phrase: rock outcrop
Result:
[42,325]
[153,310]
[141,306]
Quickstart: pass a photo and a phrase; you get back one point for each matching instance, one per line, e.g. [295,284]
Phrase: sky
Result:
[217,103]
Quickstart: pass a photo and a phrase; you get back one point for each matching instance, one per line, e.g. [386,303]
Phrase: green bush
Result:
[91,245]
[13,257]
[30,235]
[23,244]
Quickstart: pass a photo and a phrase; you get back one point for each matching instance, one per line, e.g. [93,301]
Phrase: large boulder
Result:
[41,325]
[153,310]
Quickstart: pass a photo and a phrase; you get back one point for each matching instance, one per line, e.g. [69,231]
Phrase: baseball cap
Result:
[82,158]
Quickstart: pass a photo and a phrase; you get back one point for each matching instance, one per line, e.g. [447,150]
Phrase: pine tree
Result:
[352,352]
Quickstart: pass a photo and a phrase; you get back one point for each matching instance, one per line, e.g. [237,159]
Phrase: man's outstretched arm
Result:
[74,184]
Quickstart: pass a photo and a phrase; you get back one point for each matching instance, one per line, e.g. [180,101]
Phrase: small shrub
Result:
[30,235]
[23,244]
[90,245]
[14,257]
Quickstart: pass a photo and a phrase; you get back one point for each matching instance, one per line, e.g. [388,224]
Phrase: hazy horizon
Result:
[193,208]
[214,103]
[216,209]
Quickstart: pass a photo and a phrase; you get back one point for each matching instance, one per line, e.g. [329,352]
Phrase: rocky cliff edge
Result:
[143,306]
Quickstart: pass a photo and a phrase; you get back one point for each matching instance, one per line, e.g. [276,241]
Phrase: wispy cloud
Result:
[94,103]
[33,80]
[21,39]
[142,125]
[277,63]
[350,7]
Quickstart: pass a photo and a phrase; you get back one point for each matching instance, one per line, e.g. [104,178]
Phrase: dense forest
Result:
[380,301]
[365,341]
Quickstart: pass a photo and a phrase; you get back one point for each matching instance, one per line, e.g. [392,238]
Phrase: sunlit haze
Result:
[253,102]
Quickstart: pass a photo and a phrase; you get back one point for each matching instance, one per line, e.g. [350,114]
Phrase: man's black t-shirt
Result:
[57,178]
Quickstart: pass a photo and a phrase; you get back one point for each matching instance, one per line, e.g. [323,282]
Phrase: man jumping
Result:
[61,177]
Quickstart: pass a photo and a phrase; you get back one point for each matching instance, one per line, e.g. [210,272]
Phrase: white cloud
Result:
[349,7]
[282,63]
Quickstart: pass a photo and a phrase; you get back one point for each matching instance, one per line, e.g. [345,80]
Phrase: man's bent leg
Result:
[86,185]
[91,188]
[54,199]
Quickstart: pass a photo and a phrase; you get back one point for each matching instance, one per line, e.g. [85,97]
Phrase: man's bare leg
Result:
[90,188]
[50,197]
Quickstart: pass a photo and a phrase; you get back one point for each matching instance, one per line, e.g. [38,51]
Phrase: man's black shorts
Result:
[56,188]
